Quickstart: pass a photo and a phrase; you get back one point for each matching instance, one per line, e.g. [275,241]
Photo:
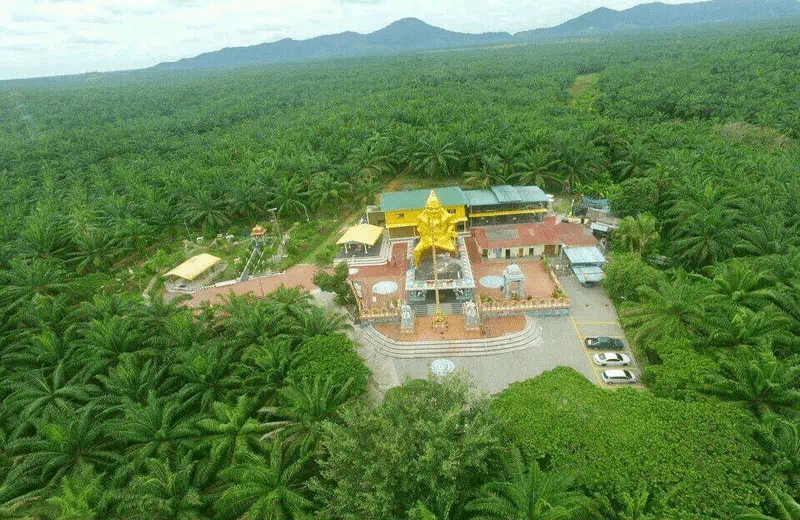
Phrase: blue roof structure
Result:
[588,273]
[585,256]
[498,195]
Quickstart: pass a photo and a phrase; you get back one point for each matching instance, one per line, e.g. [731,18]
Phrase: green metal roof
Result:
[505,194]
[416,199]
[480,198]
[454,196]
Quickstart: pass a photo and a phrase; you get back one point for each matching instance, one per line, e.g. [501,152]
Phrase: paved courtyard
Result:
[592,314]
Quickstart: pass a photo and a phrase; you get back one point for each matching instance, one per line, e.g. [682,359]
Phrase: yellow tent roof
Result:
[194,267]
[363,234]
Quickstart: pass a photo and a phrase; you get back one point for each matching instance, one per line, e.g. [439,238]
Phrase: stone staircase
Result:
[429,309]
[531,335]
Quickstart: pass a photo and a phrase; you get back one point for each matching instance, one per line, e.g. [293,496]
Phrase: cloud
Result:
[78,39]
[361,2]
[101,20]
[188,3]
[133,11]
[263,27]
[22,47]
[19,32]
[29,17]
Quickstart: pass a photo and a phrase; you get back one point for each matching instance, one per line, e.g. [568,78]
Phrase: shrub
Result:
[702,453]
[334,356]
[681,371]
[427,441]
[634,196]
[627,271]
[336,283]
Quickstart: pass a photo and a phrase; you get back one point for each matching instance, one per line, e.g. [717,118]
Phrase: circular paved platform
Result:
[492,282]
[384,287]
[442,367]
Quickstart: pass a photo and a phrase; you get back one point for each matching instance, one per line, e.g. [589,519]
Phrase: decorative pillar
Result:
[472,320]
[407,319]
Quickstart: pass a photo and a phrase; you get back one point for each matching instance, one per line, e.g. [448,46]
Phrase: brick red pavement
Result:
[297,276]
[492,327]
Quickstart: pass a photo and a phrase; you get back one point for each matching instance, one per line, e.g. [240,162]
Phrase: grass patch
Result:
[585,91]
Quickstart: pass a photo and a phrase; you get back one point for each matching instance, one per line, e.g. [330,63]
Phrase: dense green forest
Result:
[117,407]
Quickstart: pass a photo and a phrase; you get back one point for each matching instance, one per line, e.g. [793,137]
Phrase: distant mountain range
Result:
[411,34]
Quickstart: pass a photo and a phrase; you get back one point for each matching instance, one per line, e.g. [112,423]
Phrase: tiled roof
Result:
[549,232]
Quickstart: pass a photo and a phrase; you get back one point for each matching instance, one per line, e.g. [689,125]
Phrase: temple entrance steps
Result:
[429,309]
[531,335]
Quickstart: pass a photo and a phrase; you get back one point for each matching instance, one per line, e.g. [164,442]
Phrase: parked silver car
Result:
[613,359]
[618,377]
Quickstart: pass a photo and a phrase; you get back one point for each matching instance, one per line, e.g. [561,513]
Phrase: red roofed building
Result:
[530,240]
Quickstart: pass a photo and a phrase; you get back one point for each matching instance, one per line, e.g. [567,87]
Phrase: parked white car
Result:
[613,359]
[618,377]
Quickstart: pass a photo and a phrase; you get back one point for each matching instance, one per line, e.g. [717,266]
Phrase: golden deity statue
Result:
[437,229]
[437,232]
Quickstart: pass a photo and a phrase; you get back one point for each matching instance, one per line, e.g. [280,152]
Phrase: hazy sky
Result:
[52,37]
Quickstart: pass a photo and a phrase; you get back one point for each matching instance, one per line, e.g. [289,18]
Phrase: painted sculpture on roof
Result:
[437,229]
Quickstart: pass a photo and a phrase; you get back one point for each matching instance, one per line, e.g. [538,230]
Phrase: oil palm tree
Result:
[317,321]
[488,174]
[761,330]
[736,284]
[638,505]
[302,410]
[758,381]
[264,488]
[94,250]
[106,342]
[638,234]
[635,161]
[201,207]
[57,449]
[782,507]
[265,366]
[538,167]
[228,430]
[288,195]
[780,439]
[435,157]
[81,496]
[672,309]
[768,236]
[29,279]
[206,375]
[530,494]
[328,192]
[35,395]
[164,492]
[154,430]
[133,381]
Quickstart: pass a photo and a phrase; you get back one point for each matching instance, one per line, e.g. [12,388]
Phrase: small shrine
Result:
[513,283]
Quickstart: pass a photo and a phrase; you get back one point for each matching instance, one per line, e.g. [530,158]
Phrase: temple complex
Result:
[449,263]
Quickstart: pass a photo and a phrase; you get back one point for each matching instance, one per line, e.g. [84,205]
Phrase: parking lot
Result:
[561,344]
[593,314]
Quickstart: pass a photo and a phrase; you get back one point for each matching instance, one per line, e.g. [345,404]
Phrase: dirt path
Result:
[579,87]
